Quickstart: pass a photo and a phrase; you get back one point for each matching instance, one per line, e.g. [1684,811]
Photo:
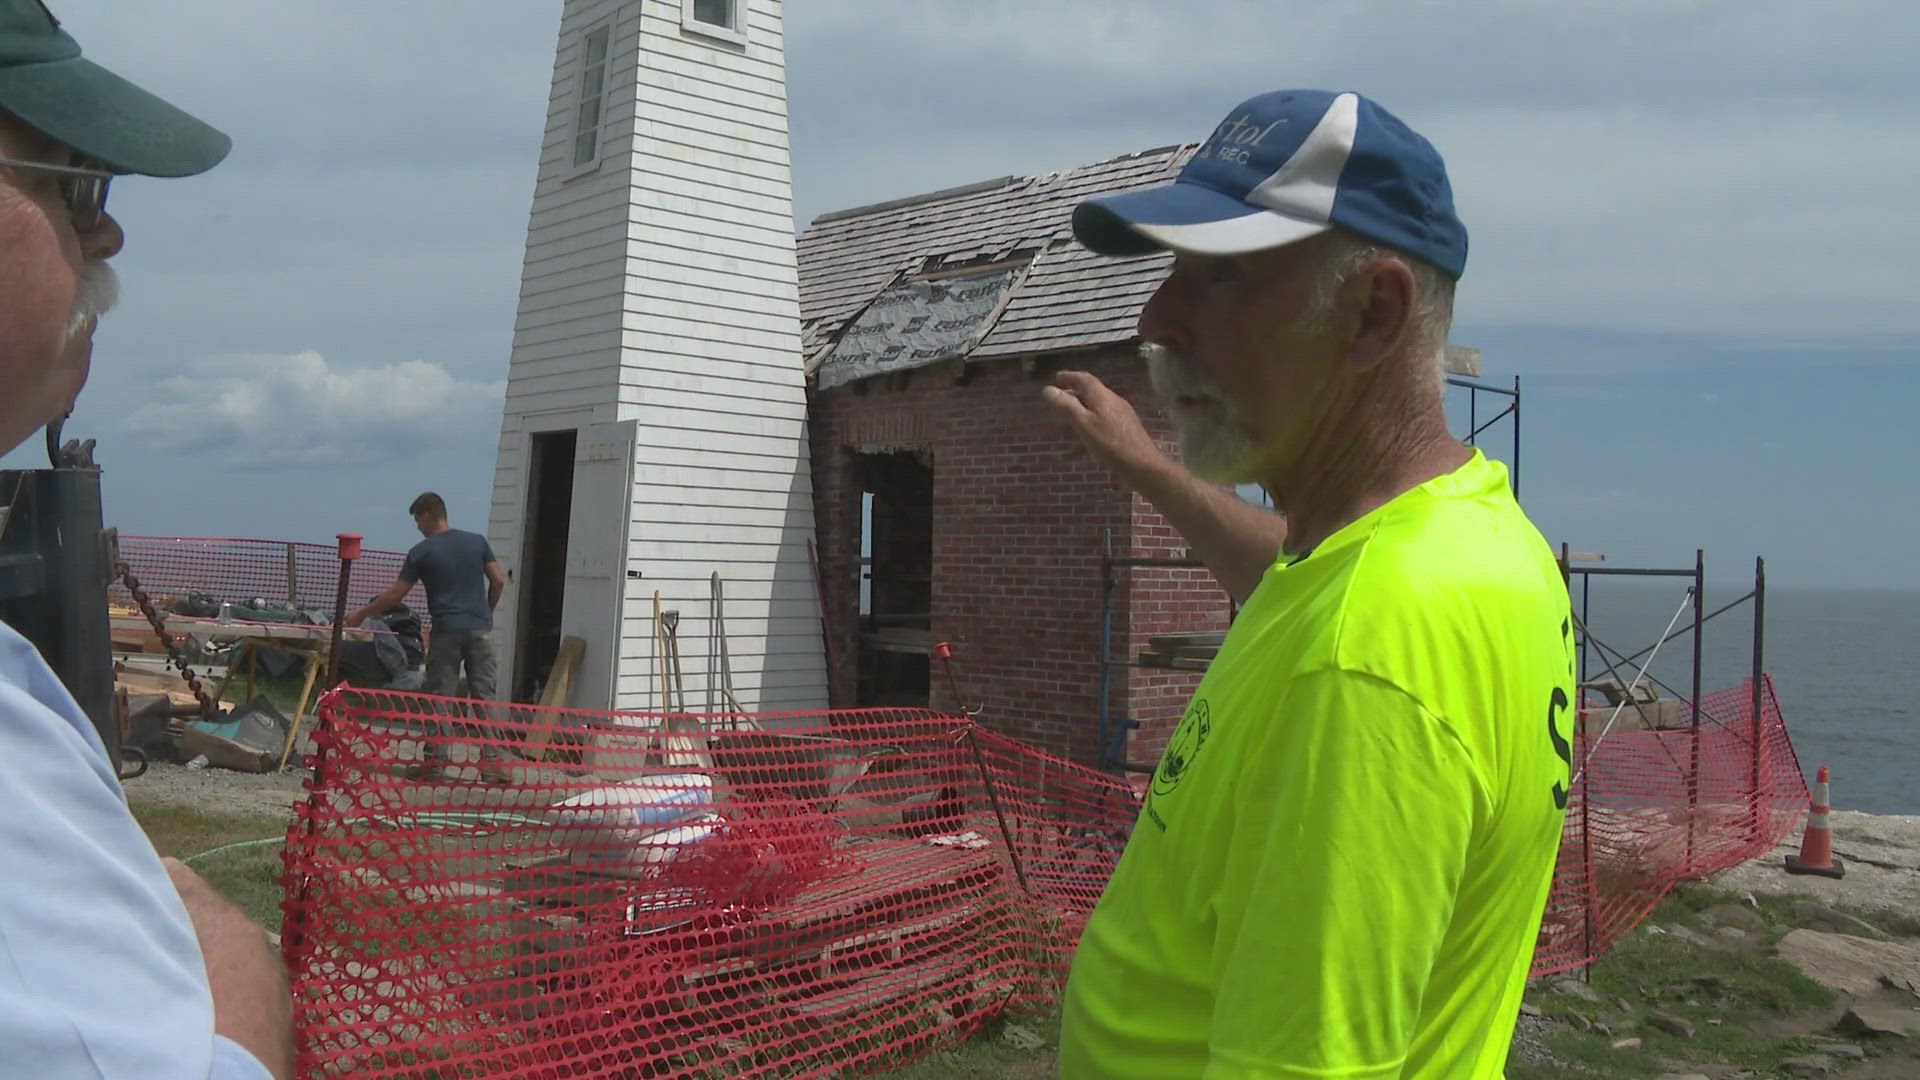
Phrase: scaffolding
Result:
[1112,730]
[1474,389]
[1615,661]
[1621,672]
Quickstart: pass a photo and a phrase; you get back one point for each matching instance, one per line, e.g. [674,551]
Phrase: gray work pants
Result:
[447,652]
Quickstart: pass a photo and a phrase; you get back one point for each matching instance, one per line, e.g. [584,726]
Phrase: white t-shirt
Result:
[101,976]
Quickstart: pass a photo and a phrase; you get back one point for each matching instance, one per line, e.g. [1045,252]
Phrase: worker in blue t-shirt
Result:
[464,584]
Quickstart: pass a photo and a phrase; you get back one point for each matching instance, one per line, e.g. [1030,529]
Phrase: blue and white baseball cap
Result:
[1283,167]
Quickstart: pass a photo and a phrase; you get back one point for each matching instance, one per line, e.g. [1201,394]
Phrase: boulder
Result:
[1736,916]
[1690,936]
[1816,916]
[1678,1026]
[1574,988]
[1851,965]
[1882,1018]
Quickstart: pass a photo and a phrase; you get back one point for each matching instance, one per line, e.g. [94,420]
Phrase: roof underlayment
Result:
[1060,296]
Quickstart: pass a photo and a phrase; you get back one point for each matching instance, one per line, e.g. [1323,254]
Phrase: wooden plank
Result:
[1174,663]
[316,659]
[1463,360]
[140,680]
[558,882]
[1180,644]
[892,935]
[559,683]
[256,631]
[895,870]
[826,1000]
[919,889]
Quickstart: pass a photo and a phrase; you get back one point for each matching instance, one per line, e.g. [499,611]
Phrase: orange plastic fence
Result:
[778,895]
[1657,807]
[241,570]
[822,894]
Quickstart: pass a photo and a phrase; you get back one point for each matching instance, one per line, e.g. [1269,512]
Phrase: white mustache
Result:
[1173,377]
[98,291]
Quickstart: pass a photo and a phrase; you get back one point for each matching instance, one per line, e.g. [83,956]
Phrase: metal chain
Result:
[174,651]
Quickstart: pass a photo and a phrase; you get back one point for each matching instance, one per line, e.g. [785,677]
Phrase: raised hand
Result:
[1107,424]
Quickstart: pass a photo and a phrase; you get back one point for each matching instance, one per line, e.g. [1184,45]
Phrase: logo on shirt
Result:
[1183,748]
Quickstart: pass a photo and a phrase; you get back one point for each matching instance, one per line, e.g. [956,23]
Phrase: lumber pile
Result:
[146,679]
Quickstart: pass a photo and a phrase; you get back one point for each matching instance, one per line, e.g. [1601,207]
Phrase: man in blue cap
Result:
[1343,857]
[113,964]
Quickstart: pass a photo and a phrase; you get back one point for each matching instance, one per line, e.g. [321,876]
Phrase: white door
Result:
[597,556]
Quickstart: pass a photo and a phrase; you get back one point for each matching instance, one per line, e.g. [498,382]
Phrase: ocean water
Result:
[1843,664]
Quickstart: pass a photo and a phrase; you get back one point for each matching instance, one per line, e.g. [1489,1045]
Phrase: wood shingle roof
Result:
[1070,298]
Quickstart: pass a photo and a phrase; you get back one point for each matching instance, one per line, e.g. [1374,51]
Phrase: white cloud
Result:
[1626,164]
[301,410]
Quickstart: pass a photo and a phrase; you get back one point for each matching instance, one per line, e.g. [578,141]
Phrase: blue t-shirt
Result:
[101,976]
[452,565]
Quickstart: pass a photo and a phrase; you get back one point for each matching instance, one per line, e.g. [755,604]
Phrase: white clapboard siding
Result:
[660,291]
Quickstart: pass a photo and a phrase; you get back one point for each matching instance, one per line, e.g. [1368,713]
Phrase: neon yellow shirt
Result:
[1343,858]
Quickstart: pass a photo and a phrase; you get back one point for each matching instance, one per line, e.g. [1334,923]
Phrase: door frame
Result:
[530,425]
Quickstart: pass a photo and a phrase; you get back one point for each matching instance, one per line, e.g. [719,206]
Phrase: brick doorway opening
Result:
[896,579]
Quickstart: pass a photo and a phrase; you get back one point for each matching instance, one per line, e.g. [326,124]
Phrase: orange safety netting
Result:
[796,895]
[238,571]
[1653,808]
[776,895]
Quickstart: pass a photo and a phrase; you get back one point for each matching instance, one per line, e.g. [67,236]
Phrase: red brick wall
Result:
[1020,512]
[1164,601]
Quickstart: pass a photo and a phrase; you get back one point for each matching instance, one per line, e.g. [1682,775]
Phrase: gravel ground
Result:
[1528,1047]
[217,791]
[222,791]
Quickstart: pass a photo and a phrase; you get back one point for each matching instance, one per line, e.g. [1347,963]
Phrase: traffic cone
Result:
[1816,847]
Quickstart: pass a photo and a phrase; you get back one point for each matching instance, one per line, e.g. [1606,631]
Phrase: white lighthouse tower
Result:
[655,423]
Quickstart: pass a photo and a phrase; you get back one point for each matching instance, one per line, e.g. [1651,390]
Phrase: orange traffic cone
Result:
[1816,847]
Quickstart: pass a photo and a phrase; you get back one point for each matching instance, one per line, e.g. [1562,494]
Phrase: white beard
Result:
[98,290]
[1214,446]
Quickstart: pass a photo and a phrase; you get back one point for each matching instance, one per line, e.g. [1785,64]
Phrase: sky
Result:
[1693,236]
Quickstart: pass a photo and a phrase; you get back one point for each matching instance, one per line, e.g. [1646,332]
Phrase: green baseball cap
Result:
[45,83]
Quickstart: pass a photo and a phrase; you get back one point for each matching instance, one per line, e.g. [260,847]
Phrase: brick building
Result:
[951,504]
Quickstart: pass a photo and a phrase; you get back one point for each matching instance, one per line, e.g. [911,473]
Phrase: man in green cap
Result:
[113,963]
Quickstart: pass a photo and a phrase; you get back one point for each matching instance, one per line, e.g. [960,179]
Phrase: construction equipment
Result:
[176,653]
[683,743]
[663,668]
[56,559]
[719,663]
[670,635]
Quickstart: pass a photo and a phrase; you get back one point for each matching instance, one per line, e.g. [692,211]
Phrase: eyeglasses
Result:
[84,189]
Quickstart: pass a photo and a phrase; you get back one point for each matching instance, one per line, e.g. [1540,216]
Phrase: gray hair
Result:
[1348,254]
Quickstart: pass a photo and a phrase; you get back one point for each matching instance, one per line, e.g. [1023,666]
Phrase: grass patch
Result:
[250,876]
[994,1054]
[1722,989]
[282,694]
[1596,1056]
